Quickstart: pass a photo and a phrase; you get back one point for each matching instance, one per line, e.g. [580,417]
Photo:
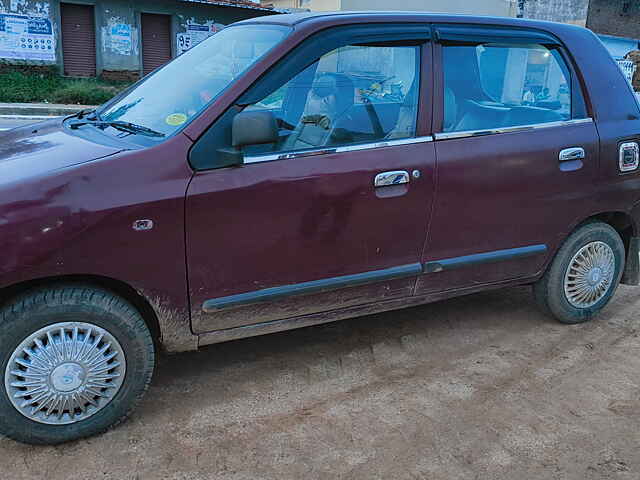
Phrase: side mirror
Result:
[248,128]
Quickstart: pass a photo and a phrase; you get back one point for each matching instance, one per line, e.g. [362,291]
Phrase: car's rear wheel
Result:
[74,361]
[584,274]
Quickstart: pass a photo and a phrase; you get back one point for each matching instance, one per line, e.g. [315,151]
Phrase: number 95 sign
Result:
[184,43]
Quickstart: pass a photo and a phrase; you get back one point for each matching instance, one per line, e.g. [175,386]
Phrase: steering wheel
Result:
[318,127]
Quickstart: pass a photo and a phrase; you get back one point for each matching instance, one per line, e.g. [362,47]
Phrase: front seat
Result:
[330,100]
[406,124]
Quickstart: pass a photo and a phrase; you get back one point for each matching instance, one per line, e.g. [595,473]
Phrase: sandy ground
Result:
[480,387]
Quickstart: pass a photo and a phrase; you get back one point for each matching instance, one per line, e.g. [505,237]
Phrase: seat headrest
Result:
[340,85]
[450,110]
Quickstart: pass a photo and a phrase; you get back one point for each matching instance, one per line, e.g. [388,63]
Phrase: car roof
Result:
[345,17]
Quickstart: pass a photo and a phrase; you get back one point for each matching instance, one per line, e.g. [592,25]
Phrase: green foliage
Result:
[85,92]
[47,86]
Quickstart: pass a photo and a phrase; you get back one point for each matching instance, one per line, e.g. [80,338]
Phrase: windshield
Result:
[172,96]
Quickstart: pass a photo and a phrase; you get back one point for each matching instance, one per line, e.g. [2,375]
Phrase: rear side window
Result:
[489,86]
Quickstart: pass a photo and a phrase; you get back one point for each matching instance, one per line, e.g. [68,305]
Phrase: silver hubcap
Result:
[589,275]
[65,373]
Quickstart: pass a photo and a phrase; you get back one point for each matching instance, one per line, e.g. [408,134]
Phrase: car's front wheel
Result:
[584,274]
[74,361]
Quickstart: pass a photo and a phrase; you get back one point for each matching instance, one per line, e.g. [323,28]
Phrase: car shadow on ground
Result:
[512,308]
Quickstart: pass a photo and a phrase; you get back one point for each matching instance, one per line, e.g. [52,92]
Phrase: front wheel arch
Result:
[76,360]
[117,287]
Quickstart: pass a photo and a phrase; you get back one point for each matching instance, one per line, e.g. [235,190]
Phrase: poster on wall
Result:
[23,37]
[120,38]
[195,34]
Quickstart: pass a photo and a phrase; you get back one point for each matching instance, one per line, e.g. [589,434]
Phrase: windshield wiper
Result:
[124,126]
[86,112]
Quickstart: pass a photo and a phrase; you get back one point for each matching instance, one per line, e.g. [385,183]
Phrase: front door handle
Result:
[573,153]
[387,179]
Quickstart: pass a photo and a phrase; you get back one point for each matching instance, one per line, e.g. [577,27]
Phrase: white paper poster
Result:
[120,38]
[24,37]
[195,34]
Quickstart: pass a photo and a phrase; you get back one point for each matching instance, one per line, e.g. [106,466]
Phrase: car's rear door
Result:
[335,213]
[517,156]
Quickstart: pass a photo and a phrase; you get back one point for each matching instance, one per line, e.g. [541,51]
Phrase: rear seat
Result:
[530,116]
[479,116]
[475,116]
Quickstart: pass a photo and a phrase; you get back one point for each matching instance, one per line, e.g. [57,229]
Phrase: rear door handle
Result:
[573,153]
[386,179]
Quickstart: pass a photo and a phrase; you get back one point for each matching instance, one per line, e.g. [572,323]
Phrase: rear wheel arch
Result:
[627,228]
[563,284]
[622,222]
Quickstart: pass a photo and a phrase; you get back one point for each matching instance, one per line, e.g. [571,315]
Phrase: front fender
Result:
[79,222]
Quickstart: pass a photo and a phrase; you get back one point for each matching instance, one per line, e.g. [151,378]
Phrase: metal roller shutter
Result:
[78,40]
[156,41]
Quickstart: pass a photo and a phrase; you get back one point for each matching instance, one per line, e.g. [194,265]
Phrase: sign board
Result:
[24,37]
[195,34]
[628,68]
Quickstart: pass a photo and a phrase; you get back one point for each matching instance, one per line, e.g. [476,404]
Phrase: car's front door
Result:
[335,213]
[517,157]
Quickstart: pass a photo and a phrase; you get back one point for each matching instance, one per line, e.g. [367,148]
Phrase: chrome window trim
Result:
[519,128]
[410,141]
[330,150]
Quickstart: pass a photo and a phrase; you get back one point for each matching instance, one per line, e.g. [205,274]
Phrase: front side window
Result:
[491,86]
[351,95]
[172,96]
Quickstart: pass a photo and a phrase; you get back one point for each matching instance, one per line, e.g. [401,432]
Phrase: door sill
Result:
[275,326]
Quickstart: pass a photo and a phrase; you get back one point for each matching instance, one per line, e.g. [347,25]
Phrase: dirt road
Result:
[480,387]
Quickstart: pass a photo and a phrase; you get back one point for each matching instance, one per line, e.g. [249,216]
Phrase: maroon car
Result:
[301,169]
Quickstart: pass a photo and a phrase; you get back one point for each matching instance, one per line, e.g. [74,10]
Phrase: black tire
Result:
[38,309]
[549,291]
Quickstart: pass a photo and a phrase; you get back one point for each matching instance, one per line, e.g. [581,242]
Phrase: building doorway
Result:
[78,40]
[156,41]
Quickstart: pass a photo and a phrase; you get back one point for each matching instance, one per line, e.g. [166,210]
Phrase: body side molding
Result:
[480,258]
[316,286]
[327,284]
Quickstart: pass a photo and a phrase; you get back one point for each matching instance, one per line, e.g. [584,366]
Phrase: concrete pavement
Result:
[41,109]
[7,123]
[16,114]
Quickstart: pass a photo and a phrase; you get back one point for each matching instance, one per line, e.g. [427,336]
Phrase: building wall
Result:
[321,5]
[615,17]
[315,5]
[485,7]
[564,11]
[118,50]
[619,47]
[283,4]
